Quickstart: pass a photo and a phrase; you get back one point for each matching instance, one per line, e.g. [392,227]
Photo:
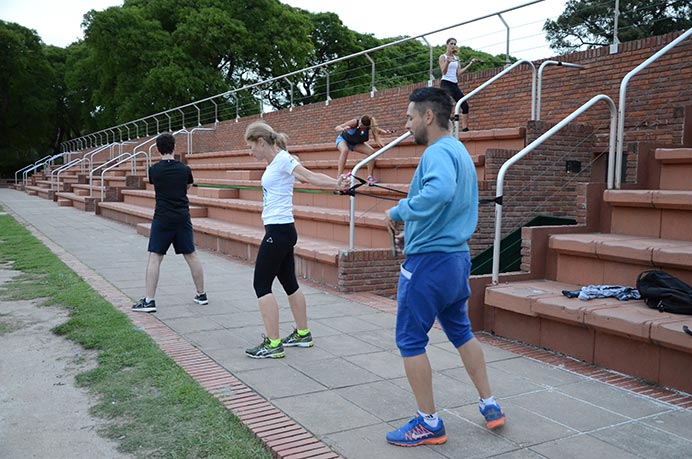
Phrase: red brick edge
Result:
[641,387]
[281,435]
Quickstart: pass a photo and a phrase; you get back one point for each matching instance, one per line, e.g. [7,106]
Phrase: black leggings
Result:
[454,91]
[275,260]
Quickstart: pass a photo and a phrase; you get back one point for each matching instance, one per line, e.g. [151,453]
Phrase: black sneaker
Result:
[265,350]
[294,339]
[144,306]
[201,298]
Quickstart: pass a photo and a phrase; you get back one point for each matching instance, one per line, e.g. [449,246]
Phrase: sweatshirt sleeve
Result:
[437,187]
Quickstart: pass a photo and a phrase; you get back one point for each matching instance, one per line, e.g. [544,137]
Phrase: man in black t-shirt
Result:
[171,223]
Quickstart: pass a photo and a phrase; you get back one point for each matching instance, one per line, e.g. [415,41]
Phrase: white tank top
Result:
[451,74]
[277,189]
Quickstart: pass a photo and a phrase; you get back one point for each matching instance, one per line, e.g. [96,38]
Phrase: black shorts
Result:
[180,235]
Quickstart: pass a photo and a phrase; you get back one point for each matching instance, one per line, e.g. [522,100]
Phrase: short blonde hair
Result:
[260,129]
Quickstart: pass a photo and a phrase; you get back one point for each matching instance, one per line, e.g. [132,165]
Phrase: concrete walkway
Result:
[350,389]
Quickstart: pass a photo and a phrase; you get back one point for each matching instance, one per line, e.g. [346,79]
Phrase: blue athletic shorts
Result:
[340,139]
[433,285]
[180,235]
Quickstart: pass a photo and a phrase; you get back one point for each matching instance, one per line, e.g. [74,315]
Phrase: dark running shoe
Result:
[295,340]
[144,306]
[201,298]
[417,433]
[265,350]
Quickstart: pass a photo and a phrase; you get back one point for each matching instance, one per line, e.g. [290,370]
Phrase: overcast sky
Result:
[58,22]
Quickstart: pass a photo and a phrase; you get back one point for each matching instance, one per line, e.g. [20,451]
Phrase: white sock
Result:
[430,419]
[148,300]
[487,401]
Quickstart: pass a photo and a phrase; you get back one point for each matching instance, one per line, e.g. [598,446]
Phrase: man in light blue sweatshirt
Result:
[440,215]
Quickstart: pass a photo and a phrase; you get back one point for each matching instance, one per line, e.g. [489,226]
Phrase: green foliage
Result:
[149,56]
[590,23]
[28,95]
[154,409]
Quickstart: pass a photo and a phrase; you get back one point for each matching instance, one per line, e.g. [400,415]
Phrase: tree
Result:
[589,23]
[27,98]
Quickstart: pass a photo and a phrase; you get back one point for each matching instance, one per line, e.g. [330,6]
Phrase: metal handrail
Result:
[63,168]
[147,154]
[94,153]
[322,65]
[622,100]
[103,172]
[91,172]
[539,90]
[356,168]
[493,80]
[28,166]
[69,163]
[189,135]
[33,167]
[507,164]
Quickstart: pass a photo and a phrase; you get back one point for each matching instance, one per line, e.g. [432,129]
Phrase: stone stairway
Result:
[646,229]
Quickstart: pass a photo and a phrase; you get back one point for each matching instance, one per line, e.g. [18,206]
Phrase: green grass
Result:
[154,409]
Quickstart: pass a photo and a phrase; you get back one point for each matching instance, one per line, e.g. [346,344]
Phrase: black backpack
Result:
[664,292]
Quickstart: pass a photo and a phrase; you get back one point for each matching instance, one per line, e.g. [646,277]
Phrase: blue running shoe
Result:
[494,416]
[417,433]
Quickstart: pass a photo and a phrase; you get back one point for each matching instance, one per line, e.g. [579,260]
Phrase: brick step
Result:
[82,202]
[306,248]
[604,258]
[316,259]
[44,184]
[33,190]
[653,213]
[377,199]
[625,336]
[311,221]
[305,152]
[676,168]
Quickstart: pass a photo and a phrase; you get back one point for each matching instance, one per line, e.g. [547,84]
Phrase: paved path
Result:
[350,389]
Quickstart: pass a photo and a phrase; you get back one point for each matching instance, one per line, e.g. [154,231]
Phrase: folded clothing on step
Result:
[589,292]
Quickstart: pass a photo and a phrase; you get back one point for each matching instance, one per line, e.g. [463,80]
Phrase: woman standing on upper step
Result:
[354,135]
[451,72]
[275,256]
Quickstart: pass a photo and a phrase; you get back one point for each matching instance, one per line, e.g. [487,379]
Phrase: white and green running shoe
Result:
[296,340]
[265,350]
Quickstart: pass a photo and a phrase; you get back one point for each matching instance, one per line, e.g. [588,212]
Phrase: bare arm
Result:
[315,178]
[460,70]
[444,63]
[347,125]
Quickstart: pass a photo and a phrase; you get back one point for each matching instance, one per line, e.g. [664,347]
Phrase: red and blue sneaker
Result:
[494,416]
[417,433]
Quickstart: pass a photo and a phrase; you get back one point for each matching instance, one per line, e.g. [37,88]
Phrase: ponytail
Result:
[260,129]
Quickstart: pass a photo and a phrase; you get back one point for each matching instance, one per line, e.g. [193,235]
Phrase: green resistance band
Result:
[256,188]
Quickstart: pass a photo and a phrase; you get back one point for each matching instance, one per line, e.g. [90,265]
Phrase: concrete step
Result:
[665,214]
[325,223]
[625,336]
[604,258]
[676,168]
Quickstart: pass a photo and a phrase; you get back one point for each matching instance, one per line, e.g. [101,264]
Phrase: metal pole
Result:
[507,27]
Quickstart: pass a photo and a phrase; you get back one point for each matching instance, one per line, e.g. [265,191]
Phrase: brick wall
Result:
[656,99]
[373,270]
[537,183]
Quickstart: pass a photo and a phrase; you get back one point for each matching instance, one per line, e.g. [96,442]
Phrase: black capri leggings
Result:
[275,260]
[455,92]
